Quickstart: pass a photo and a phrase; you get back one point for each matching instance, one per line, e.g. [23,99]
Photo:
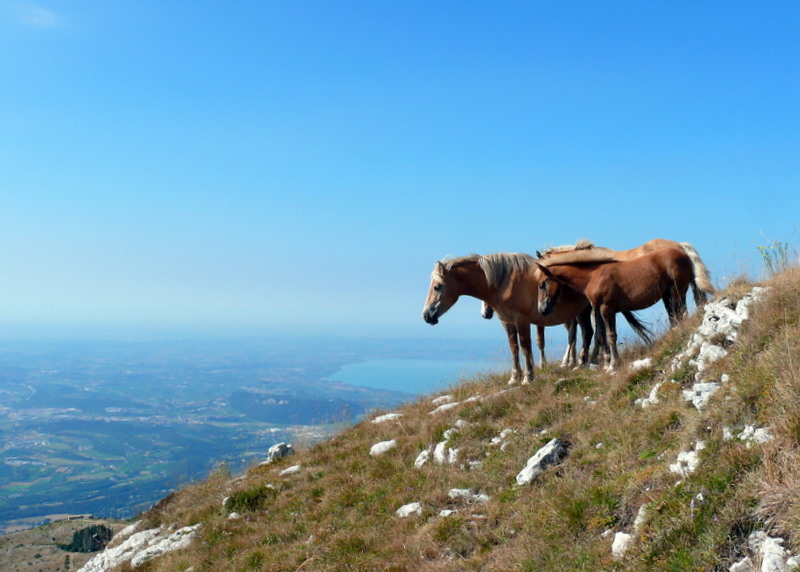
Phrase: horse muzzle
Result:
[546,307]
[431,315]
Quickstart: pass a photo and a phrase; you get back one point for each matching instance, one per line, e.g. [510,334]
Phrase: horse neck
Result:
[576,276]
[472,281]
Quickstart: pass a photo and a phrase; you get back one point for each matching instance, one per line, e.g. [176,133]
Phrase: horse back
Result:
[639,282]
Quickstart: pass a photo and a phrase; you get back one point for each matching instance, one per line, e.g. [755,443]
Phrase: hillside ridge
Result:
[686,458]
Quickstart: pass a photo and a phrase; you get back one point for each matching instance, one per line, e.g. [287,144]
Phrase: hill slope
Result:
[673,468]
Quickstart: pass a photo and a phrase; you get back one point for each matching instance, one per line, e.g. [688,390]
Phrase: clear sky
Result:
[258,166]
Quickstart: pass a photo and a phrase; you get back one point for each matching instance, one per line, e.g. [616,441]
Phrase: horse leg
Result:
[569,354]
[679,302]
[511,332]
[599,336]
[540,345]
[525,341]
[667,298]
[585,321]
[610,321]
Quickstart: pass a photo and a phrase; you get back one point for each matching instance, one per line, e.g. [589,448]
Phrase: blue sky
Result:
[267,167]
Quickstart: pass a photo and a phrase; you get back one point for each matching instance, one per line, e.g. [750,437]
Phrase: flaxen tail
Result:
[701,282]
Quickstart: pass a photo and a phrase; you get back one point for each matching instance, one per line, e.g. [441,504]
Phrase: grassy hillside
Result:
[338,511]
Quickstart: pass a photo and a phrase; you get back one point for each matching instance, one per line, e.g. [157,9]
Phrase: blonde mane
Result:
[580,244]
[582,257]
[496,266]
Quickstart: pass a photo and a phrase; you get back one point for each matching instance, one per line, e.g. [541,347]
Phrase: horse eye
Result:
[437,287]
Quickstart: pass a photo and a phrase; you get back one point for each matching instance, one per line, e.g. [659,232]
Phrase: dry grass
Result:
[338,511]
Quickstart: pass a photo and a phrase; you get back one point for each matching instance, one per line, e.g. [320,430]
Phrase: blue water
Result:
[416,376]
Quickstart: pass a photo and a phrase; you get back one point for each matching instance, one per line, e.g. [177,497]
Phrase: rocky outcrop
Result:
[140,546]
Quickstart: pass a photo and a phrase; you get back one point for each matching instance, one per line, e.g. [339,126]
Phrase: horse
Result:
[507,282]
[701,285]
[613,286]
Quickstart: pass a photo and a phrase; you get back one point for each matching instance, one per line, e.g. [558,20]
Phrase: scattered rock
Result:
[688,460]
[422,458]
[651,399]
[409,509]
[278,451]
[700,393]
[622,541]
[444,407]
[290,471]
[387,417]
[140,547]
[382,447]
[550,454]
[468,495]
[769,551]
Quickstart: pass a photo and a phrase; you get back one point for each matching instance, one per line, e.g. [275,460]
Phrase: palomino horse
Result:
[614,286]
[507,283]
[702,279]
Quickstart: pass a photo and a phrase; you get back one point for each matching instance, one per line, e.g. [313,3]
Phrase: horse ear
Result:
[546,271]
[539,255]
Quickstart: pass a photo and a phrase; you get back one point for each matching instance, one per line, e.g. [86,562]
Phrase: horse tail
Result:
[701,277]
[639,327]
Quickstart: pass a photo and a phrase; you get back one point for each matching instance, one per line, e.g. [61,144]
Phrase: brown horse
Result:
[508,284]
[701,284]
[614,286]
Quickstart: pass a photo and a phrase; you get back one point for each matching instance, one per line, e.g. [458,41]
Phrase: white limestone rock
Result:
[290,471]
[651,399]
[139,547]
[445,407]
[387,417]
[641,364]
[409,509]
[279,451]
[383,447]
[688,460]
[422,458]
[701,393]
[468,495]
[550,454]
[750,435]
[622,541]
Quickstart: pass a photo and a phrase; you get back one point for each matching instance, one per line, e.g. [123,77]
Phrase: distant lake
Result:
[416,376]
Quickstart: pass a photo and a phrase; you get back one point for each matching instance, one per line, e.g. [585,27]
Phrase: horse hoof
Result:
[512,381]
[526,381]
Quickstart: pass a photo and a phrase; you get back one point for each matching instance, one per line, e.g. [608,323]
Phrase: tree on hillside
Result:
[90,539]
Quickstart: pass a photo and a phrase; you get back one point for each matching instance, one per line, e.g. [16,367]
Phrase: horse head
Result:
[549,290]
[442,293]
